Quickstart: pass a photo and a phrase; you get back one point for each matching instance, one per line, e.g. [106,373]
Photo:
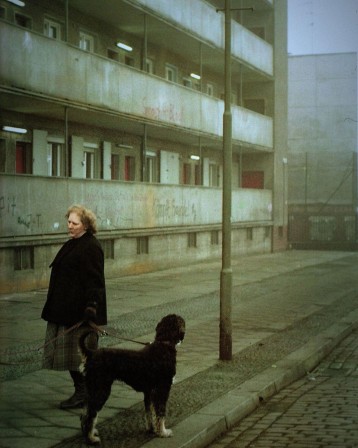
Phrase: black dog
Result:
[150,370]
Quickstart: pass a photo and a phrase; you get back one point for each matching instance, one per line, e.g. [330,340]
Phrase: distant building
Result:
[118,105]
[322,144]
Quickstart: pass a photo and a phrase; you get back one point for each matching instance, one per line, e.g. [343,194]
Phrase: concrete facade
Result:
[132,135]
[323,150]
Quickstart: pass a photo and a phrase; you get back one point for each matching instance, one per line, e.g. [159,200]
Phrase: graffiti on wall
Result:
[121,206]
[8,208]
[137,209]
[7,205]
[170,210]
[169,112]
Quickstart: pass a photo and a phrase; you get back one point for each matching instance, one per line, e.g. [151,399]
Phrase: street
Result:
[319,410]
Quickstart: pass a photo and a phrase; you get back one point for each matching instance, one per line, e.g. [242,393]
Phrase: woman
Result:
[76,291]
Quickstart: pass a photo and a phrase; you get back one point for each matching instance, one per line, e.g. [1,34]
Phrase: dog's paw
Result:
[93,439]
[166,433]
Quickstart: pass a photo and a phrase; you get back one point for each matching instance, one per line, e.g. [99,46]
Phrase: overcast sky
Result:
[322,26]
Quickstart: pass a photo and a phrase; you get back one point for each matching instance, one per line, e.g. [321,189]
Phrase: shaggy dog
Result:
[150,370]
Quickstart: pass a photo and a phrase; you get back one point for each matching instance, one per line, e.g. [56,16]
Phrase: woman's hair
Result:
[87,217]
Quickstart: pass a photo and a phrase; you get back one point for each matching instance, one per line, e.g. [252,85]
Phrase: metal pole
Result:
[226,272]
[67,152]
[145,44]
[144,148]
[66,22]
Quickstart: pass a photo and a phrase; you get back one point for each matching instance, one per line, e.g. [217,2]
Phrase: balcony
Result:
[120,206]
[245,45]
[29,64]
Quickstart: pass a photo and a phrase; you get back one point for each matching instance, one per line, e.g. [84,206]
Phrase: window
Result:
[187,82]
[129,168]
[214,237]
[86,42]
[186,173]
[171,73]
[142,245]
[23,258]
[23,21]
[52,29]
[210,89]
[151,167]
[23,158]
[249,233]
[149,66]
[192,173]
[108,249]
[2,12]
[192,239]
[115,166]
[89,165]
[56,159]
[129,61]
[214,175]
[114,55]
[253,179]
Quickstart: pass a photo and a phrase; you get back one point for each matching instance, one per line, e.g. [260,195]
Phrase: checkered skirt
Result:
[61,350]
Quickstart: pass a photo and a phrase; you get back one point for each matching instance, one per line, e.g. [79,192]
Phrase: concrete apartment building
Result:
[118,105]
[322,143]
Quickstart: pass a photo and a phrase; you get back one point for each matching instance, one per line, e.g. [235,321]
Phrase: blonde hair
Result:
[87,217]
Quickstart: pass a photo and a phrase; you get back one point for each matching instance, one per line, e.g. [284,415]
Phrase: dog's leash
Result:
[113,333]
[96,328]
[38,349]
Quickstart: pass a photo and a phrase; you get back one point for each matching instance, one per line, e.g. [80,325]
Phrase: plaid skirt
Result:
[61,350]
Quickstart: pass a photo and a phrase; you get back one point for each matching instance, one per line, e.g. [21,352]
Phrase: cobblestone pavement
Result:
[319,410]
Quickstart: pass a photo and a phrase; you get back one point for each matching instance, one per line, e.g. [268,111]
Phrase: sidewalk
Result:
[266,303]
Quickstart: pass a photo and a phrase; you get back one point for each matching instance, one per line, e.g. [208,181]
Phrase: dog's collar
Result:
[169,343]
[166,342]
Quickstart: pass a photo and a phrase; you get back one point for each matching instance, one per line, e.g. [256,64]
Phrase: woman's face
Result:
[75,227]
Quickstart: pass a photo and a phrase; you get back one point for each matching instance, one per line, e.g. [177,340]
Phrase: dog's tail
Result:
[85,350]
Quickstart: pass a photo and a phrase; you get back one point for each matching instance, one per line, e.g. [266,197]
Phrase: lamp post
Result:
[226,271]
[225,352]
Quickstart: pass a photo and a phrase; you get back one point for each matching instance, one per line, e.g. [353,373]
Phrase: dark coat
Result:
[77,278]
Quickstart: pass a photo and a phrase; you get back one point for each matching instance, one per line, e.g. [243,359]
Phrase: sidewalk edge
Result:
[204,426]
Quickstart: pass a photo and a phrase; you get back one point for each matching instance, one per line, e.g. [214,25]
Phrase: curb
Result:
[204,426]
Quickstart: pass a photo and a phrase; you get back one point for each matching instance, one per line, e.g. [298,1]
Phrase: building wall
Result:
[280,177]
[323,150]
[116,131]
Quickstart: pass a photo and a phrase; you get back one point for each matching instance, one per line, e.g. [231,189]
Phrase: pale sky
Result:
[322,26]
